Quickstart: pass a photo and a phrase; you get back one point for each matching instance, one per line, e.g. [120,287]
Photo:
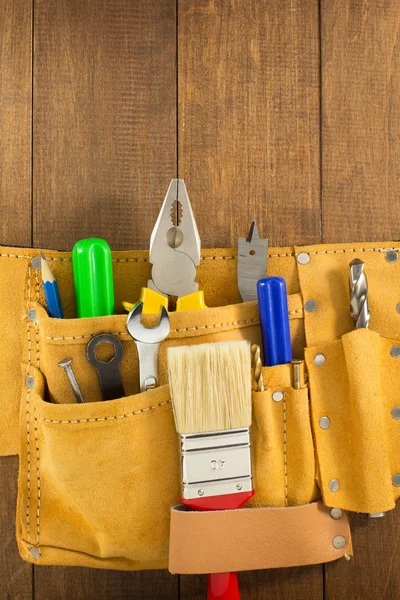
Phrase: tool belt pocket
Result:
[282,519]
[355,385]
[282,445]
[97,480]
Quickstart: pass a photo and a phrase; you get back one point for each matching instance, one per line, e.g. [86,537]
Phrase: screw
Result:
[66,365]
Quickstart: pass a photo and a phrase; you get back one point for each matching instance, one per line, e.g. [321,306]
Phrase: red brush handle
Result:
[221,586]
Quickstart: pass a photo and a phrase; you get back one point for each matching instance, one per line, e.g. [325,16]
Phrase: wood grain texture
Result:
[15,574]
[361,120]
[104,119]
[56,583]
[104,153]
[249,117]
[15,121]
[305,583]
[374,571]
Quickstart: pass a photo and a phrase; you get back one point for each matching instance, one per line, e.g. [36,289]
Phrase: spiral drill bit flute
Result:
[359,308]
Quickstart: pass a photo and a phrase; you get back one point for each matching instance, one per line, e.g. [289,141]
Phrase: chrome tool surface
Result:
[66,365]
[175,249]
[359,308]
[147,340]
[252,263]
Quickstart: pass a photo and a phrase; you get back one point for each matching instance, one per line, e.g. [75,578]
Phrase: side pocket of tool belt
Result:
[97,480]
[355,385]
[281,525]
[282,446]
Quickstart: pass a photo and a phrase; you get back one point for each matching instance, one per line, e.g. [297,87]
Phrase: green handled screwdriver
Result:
[93,278]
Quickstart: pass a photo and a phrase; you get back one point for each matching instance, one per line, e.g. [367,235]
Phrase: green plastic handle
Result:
[93,278]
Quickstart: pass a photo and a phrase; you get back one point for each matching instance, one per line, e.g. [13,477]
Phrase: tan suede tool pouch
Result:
[355,413]
[97,480]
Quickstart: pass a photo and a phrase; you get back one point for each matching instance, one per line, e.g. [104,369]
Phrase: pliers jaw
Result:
[175,249]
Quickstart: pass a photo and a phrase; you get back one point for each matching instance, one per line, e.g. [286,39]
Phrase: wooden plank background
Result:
[286,110]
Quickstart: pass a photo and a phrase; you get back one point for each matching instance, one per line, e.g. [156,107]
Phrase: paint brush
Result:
[51,292]
[211,396]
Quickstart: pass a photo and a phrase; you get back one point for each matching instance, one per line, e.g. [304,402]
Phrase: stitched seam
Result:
[15,256]
[95,419]
[214,326]
[38,480]
[197,328]
[28,525]
[284,450]
[344,251]
[37,322]
[217,257]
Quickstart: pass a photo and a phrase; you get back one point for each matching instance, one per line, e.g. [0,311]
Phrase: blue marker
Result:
[274,320]
[51,293]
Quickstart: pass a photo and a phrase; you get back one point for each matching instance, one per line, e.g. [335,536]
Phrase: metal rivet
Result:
[392,256]
[319,360]
[396,413]
[36,263]
[34,552]
[310,306]
[333,485]
[336,513]
[324,422]
[398,307]
[277,396]
[338,542]
[32,316]
[303,258]
[238,487]
[396,480]
[30,382]
[200,492]
[395,351]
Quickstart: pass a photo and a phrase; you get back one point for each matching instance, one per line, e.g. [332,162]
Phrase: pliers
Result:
[174,254]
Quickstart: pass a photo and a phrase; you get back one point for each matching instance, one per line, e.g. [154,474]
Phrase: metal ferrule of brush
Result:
[216,463]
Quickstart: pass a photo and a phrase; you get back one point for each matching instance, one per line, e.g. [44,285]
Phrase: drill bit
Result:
[257,366]
[359,308]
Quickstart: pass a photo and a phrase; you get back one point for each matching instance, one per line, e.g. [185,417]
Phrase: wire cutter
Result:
[174,254]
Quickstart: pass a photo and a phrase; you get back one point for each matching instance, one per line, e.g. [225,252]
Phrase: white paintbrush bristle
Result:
[210,386]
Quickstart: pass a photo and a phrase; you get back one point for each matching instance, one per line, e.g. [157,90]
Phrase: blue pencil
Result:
[51,292]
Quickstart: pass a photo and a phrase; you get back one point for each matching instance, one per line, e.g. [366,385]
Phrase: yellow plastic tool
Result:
[153,301]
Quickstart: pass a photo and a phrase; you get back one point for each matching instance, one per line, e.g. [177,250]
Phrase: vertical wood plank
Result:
[249,117]
[15,574]
[374,571]
[104,119]
[303,583]
[361,120]
[104,153]
[15,121]
[360,181]
[15,228]
[248,138]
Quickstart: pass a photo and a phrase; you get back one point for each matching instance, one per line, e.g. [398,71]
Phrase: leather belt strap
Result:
[255,538]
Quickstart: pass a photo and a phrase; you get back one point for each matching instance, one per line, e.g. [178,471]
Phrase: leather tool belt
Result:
[98,482]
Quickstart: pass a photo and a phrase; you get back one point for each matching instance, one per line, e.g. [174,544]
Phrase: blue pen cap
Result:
[274,320]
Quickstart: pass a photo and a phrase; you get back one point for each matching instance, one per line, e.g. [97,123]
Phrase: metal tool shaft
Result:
[359,308]
[66,365]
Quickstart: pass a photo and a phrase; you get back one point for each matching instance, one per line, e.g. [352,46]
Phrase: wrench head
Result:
[102,338]
[147,335]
